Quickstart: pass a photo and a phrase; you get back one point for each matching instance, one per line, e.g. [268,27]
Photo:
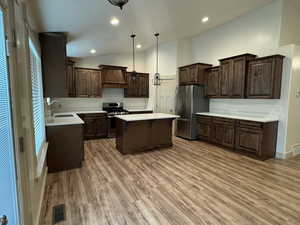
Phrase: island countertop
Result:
[152,116]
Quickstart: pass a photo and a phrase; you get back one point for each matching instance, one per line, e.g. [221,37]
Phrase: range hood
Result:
[113,76]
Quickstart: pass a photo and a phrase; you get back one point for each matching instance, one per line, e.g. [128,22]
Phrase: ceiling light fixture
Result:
[119,3]
[138,46]
[93,51]
[114,21]
[205,19]
[134,74]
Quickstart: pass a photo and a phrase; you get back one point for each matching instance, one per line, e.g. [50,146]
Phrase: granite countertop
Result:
[152,116]
[73,119]
[265,119]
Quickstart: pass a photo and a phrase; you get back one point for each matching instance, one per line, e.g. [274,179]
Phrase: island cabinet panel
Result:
[66,147]
[193,74]
[113,76]
[264,77]
[212,88]
[95,125]
[138,85]
[140,136]
[88,83]
[233,73]
[252,138]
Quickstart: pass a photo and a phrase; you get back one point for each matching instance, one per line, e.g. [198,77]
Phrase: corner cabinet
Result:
[138,85]
[113,76]
[264,77]
[212,82]
[193,74]
[255,139]
[88,83]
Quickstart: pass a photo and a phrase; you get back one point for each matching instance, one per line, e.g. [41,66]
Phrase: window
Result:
[37,98]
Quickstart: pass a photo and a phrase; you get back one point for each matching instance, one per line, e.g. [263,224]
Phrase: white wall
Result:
[293,129]
[258,33]
[290,32]
[167,65]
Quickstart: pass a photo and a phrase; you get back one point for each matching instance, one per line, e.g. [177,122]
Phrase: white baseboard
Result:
[38,216]
[295,150]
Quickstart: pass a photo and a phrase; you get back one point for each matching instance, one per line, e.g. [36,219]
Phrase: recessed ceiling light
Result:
[114,21]
[93,51]
[139,46]
[205,19]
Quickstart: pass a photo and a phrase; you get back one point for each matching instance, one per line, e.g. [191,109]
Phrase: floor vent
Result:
[59,213]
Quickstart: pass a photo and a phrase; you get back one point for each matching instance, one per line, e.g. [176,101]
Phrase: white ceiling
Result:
[88,21]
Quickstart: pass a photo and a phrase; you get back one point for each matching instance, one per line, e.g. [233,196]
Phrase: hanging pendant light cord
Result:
[133,50]
[157,35]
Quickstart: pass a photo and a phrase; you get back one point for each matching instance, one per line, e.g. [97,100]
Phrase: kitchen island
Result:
[144,132]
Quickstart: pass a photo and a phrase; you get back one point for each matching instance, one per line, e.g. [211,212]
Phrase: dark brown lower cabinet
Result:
[66,148]
[95,125]
[139,136]
[249,137]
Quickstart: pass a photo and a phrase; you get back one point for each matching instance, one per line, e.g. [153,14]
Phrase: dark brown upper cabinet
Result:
[54,64]
[264,77]
[71,85]
[138,85]
[193,74]
[233,74]
[113,76]
[88,83]
[212,81]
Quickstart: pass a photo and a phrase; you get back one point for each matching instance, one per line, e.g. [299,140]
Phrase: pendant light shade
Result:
[119,3]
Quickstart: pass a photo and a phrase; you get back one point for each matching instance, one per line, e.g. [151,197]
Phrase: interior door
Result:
[165,95]
[8,184]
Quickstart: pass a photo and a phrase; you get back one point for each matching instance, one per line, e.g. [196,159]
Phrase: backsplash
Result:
[90,104]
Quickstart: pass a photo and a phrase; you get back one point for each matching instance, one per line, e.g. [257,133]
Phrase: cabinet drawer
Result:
[250,124]
[219,120]
[204,119]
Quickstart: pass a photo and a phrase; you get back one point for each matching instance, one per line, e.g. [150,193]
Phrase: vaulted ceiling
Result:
[88,21]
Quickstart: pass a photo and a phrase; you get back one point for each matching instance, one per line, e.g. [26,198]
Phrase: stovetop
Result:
[114,108]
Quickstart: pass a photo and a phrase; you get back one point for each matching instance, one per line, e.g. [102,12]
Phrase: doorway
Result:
[8,180]
[166,95]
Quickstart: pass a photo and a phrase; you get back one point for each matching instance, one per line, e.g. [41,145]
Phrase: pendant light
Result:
[119,3]
[134,74]
[157,75]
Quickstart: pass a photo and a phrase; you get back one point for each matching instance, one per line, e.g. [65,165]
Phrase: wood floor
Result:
[190,183]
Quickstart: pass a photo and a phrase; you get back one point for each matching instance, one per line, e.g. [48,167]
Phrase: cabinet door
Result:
[89,128]
[217,133]
[71,80]
[260,79]
[248,140]
[226,78]
[82,83]
[228,137]
[212,88]
[238,77]
[132,91]
[184,76]
[204,131]
[95,84]
[144,85]
[193,74]
[101,127]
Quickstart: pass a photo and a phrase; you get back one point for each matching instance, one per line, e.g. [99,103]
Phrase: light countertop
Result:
[72,120]
[152,116]
[139,110]
[265,119]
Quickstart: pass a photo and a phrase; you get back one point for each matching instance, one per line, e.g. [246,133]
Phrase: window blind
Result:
[37,98]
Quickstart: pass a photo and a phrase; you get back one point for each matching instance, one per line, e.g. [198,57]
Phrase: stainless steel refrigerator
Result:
[189,100]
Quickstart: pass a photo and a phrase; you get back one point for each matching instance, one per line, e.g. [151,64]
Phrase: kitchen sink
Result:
[67,115]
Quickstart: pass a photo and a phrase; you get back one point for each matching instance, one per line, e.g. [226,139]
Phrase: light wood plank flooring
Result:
[190,183]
